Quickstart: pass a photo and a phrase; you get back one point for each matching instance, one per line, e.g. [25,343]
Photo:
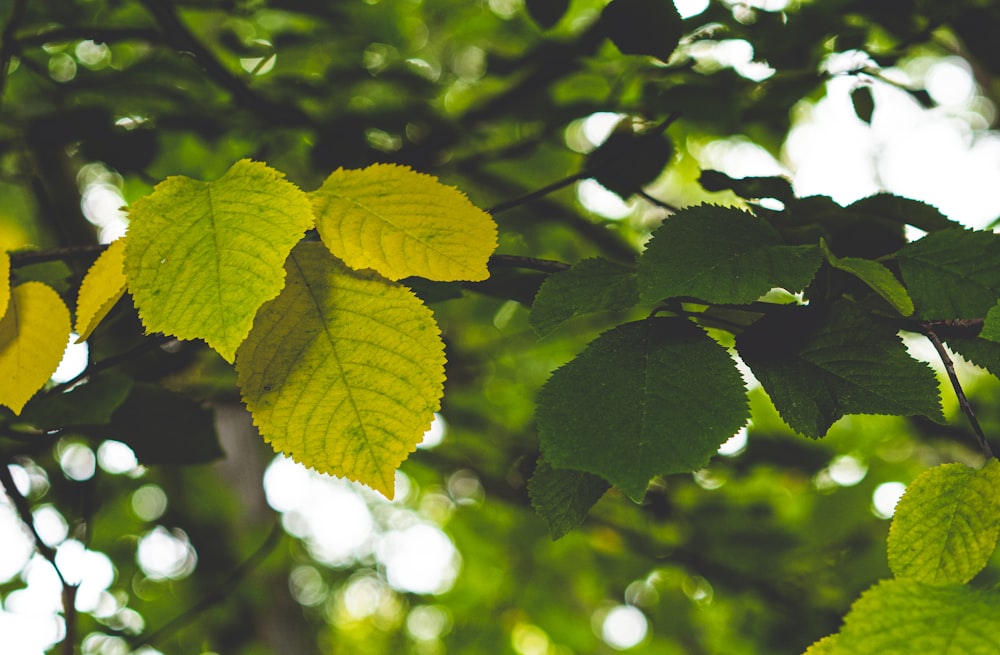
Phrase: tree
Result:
[351,226]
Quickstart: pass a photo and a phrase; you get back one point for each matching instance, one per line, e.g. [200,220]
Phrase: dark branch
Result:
[533,263]
[963,402]
[95,33]
[26,257]
[150,343]
[535,195]
[183,41]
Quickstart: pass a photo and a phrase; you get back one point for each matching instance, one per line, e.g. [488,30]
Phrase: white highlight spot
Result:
[624,627]
[885,497]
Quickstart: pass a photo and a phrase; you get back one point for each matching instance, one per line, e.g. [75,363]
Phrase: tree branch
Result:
[949,366]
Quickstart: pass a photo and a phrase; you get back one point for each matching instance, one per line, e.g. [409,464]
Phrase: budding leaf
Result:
[103,285]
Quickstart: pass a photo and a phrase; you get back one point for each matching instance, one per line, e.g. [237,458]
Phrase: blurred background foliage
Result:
[180,551]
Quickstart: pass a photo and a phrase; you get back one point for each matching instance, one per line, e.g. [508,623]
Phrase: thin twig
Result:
[149,343]
[46,551]
[27,257]
[8,45]
[963,402]
[536,194]
[218,595]
[533,263]
[659,203]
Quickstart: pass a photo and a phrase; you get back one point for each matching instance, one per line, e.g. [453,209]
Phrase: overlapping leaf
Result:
[721,255]
[592,285]
[904,211]
[4,282]
[402,223]
[904,617]
[879,278]
[645,398]
[33,335]
[103,285]
[952,273]
[819,364]
[563,497]
[202,257]
[946,525]
[344,370]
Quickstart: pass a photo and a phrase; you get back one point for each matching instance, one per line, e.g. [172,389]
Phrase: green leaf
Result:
[92,403]
[864,103]
[4,282]
[592,285]
[825,646]
[344,370]
[164,427]
[904,211]
[33,336]
[402,223]
[875,275]
[946,525]
[721,255]
[647,398]
[202,257]
[563,497]
[643,27]
[905,617]
[821,363]
[991,327]
[984,354]
[952,273]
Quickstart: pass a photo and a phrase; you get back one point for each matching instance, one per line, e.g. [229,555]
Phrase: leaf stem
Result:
[963,401]
[27,257]
[536,194]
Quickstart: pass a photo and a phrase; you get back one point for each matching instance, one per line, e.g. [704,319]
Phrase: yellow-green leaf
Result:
[344,370]
[4,281]
[103,285]
[946,525]
[402,223]
[202,257]
[825,646]
[33,335]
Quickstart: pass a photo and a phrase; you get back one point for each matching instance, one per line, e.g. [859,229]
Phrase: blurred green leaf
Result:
[592,285]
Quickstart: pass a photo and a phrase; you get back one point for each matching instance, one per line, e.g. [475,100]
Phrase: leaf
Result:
[102,286]
[164,427]
[904,617]
[821,363]
[344,370]
[546,12]
[946,525]
[879,278]
[721,255]
[750,188]
[864,103]
[825,646]
[563,497]
[4,282]
[91,403]
[952,273]
[643,27]
[592,285]
[202,257]
[628,161]
[647,398]
[904,211]
[984,354]
[402,223]
[33,336]
[991,327]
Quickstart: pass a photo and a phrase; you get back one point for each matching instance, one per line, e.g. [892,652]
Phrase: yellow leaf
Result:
[344,370]
[103,285]
[202,257]
[4,281]
[402,223]
[33,335]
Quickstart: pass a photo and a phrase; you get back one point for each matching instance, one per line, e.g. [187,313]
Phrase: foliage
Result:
[353,220]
